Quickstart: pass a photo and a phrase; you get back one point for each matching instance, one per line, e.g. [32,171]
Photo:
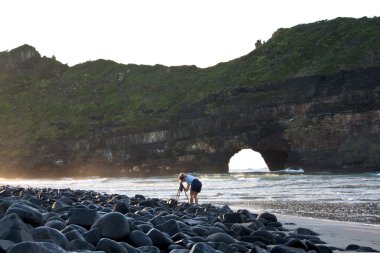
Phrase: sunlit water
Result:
[233,188]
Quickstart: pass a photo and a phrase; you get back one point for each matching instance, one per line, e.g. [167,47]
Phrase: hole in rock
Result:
[247,160]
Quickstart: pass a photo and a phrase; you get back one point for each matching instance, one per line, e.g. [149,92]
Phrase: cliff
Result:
[320,123]
[309,97]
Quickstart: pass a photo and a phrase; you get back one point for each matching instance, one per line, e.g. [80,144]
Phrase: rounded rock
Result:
[48,234]
[52,247]
[82,216]
[297,243]
[266,235]
[170,227]
[121,207]
[60,206]
[256,225]
[5,192]
[137,238]
[311,246]
[145,227]
[324,249]
[268,217]
[27,213]
[305,231]
[130,248]
[149,249]
[159,239]
[179,251]
[110,246]
[221,246]
[148,203]
[80,245]
[73,235]
[4,205]
[241,230]
[285,249]
[35,247]
[248,214]
[366,249]
[113,225]
[12,228]
[5,245]
[233,218]
[220,225]
[202,247]
[220,237]
[200,231]
[239,247]
[57,224]
[93,236]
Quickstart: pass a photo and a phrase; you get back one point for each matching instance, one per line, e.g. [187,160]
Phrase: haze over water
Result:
[250,184]
[283,193]
[232,187]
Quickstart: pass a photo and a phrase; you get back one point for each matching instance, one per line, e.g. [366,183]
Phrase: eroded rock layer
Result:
[320,123]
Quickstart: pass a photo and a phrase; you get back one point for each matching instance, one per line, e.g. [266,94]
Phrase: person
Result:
[192,183]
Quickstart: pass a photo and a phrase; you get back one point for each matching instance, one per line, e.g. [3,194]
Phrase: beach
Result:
[337,233]
[46,220]
[342,209]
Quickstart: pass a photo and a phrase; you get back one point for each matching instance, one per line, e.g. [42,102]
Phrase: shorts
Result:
[196,186]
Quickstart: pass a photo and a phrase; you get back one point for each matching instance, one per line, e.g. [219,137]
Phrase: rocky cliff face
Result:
[319,123]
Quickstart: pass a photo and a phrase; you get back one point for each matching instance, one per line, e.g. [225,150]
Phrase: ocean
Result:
[344,197]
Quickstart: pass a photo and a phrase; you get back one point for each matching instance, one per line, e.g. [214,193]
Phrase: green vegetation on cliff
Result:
[323,47]
[44,100]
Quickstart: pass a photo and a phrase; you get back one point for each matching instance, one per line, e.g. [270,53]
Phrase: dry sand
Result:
[337,233]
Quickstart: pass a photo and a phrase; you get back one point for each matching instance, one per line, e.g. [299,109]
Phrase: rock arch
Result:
[247,160]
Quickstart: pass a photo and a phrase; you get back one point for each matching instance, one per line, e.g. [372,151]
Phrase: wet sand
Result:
[360,212]
[338,224]
[337,233]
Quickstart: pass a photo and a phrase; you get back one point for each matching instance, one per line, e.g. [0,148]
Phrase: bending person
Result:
[193,184]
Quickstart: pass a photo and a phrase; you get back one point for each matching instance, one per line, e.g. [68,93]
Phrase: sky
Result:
[167,32]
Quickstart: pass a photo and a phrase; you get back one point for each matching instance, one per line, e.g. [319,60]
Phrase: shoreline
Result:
[337,233]
[280,213]
[360,212]
[174,173]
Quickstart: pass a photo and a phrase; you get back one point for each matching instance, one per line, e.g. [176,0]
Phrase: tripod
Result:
[180,189]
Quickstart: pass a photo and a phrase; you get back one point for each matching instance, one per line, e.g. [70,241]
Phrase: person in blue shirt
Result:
[193,184]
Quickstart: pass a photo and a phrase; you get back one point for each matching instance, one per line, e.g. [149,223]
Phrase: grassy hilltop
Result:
[42,99]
